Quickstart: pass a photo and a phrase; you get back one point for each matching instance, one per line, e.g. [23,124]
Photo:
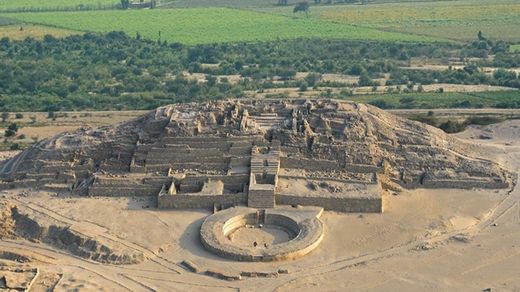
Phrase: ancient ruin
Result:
[302,225]
[330,154]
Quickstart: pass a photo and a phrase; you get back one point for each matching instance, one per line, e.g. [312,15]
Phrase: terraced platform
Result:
[337,155]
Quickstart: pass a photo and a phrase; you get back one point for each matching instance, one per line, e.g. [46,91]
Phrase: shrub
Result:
[14,146]
[4,116]
[380,104]
[312,79]
[453,126]
[303,86]
[11,130]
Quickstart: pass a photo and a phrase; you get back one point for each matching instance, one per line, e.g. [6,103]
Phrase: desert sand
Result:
[441,239]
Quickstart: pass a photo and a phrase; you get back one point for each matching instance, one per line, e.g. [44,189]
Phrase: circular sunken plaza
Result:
[248,234]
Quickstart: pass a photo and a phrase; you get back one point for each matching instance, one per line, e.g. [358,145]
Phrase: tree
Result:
[286,73]
[356,69]
[211,80]
[302,7]
[480,36]
[379,103]
[11,130]
[312,79]
[303,86]
[365,80]
[4,116]
[125,4]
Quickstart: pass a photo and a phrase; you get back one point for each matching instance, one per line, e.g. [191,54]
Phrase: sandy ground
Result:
[7,154]
[37,126]
[426,240]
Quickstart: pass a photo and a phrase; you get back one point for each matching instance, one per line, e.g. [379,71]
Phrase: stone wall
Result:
[232,183]
[189,201]
[124,190]
[325,165]
[261,196]
[305,229]
[355,205]
[464,184]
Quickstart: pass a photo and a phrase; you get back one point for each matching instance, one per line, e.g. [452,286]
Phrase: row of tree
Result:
[113,70]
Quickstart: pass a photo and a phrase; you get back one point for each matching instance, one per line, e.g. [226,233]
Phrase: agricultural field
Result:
[455,20]
[503,99]
[245,4]
[20,32]
[47,5]
[242,4]
[515,48]
[7,21]
[209,25]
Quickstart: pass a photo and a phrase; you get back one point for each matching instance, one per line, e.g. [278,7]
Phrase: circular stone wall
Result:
[247,234]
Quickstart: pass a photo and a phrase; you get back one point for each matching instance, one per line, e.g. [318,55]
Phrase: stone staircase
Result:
[263,179]
[267,121]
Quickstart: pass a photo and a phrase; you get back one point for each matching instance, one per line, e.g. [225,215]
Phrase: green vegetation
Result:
[505,99]
[181,55]
[454,124]
[457,20]
[7,21]
[114,71]
[224,3]
[11,130]
[55,5]
[256,4]
[59,55]
[208,25]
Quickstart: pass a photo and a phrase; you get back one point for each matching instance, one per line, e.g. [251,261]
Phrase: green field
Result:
[32,5]
[208,25]
[457,20]
[7,21]
[262,3]
[404,21]
[504,99]
[515,48]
